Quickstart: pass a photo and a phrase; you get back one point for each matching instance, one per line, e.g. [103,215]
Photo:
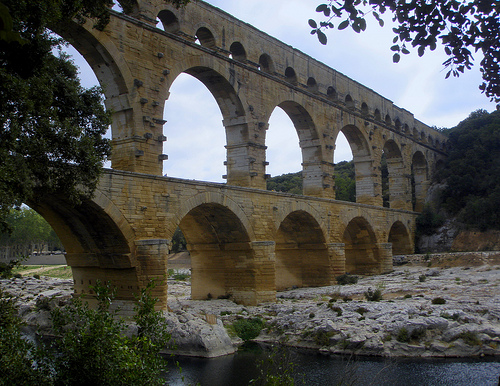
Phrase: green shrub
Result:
[361,310]
[6,268]
[373,295]
[404,336]
[17,355]
[346,279]
[422,278]
[248,329]
[36,276]
[322,338]
[470,338]
[95,350]
[438,301]
[338,310]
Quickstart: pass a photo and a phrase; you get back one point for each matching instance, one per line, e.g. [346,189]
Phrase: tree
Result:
[472,171]
[462,26]
[29,231]
[51,128]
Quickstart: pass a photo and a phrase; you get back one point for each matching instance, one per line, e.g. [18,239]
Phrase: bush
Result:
[404,336]
[322,338]
[361,310]
[338,310]
[422,278]
[346,279]
[90,348]
[248,329]
[373,296]
[470,338]
[438,301]
[94,349]
[18,356]
[6,268]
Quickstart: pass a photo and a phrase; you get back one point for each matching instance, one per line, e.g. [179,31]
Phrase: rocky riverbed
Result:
[448,306]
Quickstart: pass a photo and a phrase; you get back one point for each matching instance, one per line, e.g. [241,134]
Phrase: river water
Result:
[315,369]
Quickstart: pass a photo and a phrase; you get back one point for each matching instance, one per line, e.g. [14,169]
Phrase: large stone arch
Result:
[398,187]
[420,180]
[399,237]
[116,80]
[99,244]
[362,254]
[301,253]
[222,260]
[368,191]
[310,145]
[215,197]
[238,144]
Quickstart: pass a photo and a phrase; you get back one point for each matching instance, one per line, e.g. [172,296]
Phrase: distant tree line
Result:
[345,182]
[30,233]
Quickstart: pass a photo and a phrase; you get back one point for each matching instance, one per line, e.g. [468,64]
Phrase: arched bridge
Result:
[244,241]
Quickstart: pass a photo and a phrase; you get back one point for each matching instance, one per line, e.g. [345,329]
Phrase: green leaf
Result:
[396,57]
[343,25]
[322,37]
[313,23]
[395,48]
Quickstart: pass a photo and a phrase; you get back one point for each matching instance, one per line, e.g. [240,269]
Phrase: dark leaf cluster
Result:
[463,27]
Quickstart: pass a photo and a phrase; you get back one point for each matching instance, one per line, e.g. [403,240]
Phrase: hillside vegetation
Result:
[345,185]
[471,173]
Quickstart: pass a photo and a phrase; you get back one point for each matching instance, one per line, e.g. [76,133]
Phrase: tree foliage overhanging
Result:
[472,171]
[51,128]
[463,27]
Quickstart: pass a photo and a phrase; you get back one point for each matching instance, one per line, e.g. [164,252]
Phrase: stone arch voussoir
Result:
[291,207]
[215,198]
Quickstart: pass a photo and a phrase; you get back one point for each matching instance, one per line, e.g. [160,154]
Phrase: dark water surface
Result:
[315,369]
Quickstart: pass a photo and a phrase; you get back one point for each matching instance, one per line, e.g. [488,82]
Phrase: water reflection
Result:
[314,369]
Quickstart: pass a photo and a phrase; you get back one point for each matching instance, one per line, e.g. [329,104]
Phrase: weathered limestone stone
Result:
[245,242]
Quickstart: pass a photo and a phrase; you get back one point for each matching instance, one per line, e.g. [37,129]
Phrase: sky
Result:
[196,136]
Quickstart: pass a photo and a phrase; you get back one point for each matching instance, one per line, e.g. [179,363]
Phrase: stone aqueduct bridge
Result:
[244,241]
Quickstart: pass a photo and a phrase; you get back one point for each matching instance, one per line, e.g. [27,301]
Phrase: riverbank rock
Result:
[199,336]
[444,305]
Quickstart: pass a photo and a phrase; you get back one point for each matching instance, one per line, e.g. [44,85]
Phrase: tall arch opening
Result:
[283,153]
[361,251]
[310,150]
[345,175]
[400,239]
[301,253]
[221,256]
[394,182]
[194,131]
[365,184]
[419,180]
